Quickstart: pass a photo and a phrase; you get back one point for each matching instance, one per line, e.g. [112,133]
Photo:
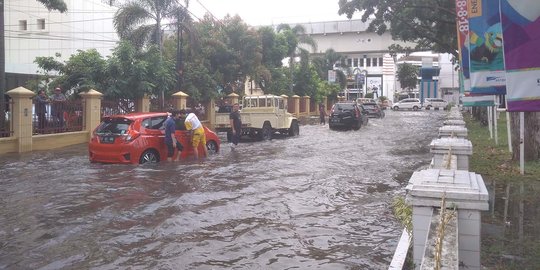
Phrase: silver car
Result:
[435,103]
[408,104]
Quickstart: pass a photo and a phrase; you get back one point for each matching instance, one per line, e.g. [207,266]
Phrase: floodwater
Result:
[318,201]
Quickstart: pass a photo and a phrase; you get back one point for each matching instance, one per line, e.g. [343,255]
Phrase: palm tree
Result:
[326,62]
[296,36]
[141,21]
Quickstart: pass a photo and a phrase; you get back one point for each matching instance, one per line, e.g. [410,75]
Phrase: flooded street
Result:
[318,201]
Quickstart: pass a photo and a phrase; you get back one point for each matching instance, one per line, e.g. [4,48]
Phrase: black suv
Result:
[347,115]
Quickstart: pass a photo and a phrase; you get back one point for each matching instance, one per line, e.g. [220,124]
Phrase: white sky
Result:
[268,12]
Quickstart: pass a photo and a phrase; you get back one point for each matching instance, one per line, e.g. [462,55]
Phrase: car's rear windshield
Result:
[344,106]
[370,105]
[116,126]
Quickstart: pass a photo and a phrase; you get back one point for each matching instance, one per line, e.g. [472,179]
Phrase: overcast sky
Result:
[268,12]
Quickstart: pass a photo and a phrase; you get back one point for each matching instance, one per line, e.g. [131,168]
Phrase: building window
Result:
[349,62]
[368,62]
[374,62]
[361,62]
[380,62]
[41,24]
[355,62]
[23,25]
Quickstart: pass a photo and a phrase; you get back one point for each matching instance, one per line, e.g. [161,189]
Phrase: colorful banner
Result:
[521,30]
[486,57]
[462,24]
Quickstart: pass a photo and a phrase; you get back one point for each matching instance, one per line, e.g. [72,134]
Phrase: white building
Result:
[32,31]
[448,78]
[366,52]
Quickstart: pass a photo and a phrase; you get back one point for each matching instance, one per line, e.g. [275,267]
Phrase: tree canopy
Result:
[428,23]
[407,75]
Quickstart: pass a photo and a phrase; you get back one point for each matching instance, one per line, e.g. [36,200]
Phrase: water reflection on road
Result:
[317,201]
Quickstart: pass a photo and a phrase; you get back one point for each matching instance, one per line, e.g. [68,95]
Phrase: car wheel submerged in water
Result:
[149,156]
[212,147]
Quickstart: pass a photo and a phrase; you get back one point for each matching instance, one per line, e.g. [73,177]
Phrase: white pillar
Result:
[461,189]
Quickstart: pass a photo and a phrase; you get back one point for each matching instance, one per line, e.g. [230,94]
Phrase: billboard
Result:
[486,56]
[520,20]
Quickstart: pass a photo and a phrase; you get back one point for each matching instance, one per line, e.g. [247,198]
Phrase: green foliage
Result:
[403,213]
[382,98]
[216,59]
[368,95]
[128,73]
[59,5]
[141,21]
[495,161]
[407,75]
[325,63]
[274,47]
[428,23]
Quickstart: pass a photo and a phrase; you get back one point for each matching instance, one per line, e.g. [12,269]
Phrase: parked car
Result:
[365,100]
[347,115]
[435,103]
[373,110]
[385,104]
[408,104]
[139,138]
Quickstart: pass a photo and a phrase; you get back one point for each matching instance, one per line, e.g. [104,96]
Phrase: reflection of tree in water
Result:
[514,233]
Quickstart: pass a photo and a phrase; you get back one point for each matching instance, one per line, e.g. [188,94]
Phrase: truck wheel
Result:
[294,130]
[266,132]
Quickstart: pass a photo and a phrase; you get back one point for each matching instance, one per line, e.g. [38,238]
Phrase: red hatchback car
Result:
[140,138]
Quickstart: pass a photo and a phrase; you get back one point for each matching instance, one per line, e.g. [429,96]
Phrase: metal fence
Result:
[6,123]
[157,105]
[116,106]
[58,116]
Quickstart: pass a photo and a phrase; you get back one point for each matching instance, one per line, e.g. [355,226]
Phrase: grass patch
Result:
[505,248]
[492,161]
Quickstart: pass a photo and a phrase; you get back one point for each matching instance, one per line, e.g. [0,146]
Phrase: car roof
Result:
[137,115]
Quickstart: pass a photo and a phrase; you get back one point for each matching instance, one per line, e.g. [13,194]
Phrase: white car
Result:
[435,103]
[408,104]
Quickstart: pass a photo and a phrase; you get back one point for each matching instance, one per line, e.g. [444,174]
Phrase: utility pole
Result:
[2,64]
[179,64]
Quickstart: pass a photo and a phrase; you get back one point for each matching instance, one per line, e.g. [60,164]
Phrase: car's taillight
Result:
[131,136]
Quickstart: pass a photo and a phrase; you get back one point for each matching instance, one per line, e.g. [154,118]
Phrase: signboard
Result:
[331,76]
[462,24]
[486,61]
[374,85]
[478,101]
[521,31]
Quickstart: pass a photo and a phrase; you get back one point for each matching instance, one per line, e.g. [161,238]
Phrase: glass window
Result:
[157,122]
[23,25]
[349,62]
[355,62]
[113,126]
[374,62]
[280,103]
[262,102]
[368,62]
[41,24]
[361,62]
[380,62]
